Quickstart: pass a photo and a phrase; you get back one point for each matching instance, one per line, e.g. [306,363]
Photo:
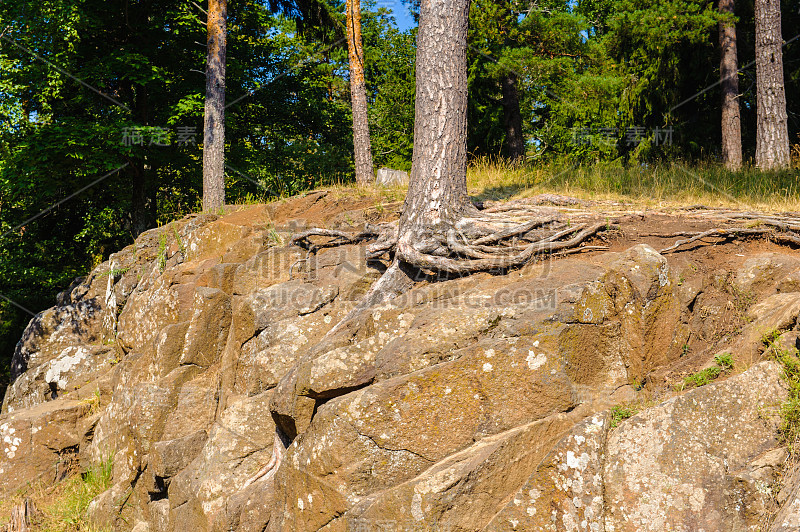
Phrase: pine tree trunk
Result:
[513,118]
[214,122]
[358,96]
[729,76]
[772,136]
[437,193]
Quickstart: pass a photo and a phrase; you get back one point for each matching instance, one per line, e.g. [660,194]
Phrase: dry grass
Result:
[657,186]
[381,195]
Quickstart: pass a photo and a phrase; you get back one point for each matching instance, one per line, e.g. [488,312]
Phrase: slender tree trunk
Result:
[437,193]
[139,211]
[142,196]
[729,76]
[513,118]
[214,123]
[772,136]
[358,96]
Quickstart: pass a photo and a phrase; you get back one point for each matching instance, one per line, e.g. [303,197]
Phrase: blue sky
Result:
[400,11]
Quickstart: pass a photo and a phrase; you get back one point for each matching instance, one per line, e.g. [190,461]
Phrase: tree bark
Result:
[21,515]
[143,197]
[140,221]
[513,118]
[437,193]
[729,77]
[214,120]
[358,96]
[772,136]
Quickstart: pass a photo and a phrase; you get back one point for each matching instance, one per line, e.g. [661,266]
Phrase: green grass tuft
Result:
[178,240]
[723,363]
[162,251]
[620,413]
[790,410]
[63,507]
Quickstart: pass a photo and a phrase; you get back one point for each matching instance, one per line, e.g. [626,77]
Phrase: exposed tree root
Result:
[473,244]
[494,238]
[786,238]
[719,233]
[499,260]
[583,249]
[781,229]
[523,203]
[338,237]
[674,234]
[278,450]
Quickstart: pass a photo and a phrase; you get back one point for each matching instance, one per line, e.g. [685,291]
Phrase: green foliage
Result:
[142,68]
[620,413]
[609,80]
[661,46]
[391,60]
[723,363]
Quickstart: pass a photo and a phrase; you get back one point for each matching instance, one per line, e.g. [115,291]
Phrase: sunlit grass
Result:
[63,506]
[674,184]
[662,185]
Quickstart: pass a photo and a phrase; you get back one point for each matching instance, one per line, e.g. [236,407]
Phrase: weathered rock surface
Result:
[703,460]
[479,403]
[388,177]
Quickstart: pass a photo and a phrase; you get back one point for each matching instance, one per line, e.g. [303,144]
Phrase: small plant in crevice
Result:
[742,299]
[622,412]
[769,338]
[723,363]
[178,240]
[115,272]
[162,251]
[92,402]
[273,236]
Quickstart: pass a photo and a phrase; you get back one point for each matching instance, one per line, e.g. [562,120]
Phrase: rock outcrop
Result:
[480,403]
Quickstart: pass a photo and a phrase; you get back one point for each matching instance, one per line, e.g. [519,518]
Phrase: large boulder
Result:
[697,461]
[478,403]
[41,443]
[388,177]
